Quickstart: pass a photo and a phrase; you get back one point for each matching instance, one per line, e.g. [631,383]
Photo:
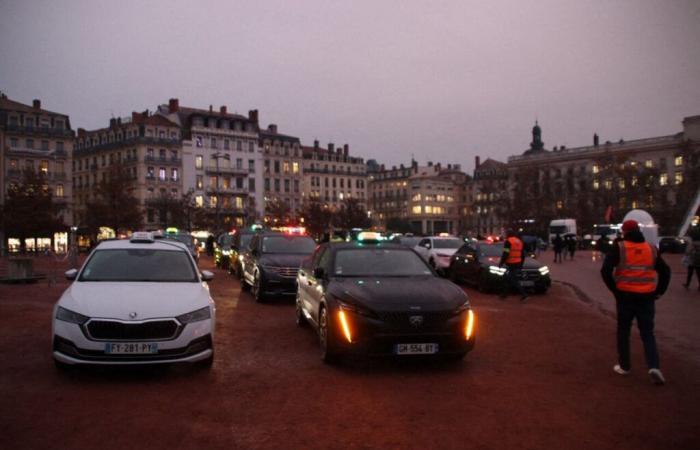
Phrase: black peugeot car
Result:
[381,299]
[271,262]
[476,263]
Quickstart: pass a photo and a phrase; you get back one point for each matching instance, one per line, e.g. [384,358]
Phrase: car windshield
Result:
[447,243]
[490,250]
[245,240]
[288,244]
[186,239]
[379,262]
[139,265]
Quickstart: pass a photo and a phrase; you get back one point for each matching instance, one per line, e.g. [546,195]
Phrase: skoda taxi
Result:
[136,301]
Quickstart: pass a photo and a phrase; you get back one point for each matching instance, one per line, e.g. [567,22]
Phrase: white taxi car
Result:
[437,250]
[137,301]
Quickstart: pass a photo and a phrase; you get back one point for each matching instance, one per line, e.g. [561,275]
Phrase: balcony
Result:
[53,132]
[159,160]
[226,170]
[227,191]
[14,173]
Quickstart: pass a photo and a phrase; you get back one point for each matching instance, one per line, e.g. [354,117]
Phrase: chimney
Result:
[346,149]
[253,115]
[382,167]
[339,151]
[36,103]
[400,166]
[330,147]
[112,122]
[81,132]
[430,164]
[119,120]
[449,167]
[272,128]
[477,162]
[173,105]
[135,117]
[316,144]
[595,139]
[223,109]
[393,167]
[211,108]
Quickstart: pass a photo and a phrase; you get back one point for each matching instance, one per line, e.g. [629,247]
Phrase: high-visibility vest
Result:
[635,272]
[515,256]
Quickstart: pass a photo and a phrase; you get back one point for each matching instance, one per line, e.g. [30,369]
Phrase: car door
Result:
[304,278]
[459,262]
[249,260]
[316,285]
[470,266]
[423,248]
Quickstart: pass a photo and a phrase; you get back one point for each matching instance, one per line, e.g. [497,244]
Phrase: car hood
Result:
[149,300]
[288,260]
[400,293]
[529,263]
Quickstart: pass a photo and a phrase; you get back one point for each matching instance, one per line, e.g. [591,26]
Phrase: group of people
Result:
[564,245]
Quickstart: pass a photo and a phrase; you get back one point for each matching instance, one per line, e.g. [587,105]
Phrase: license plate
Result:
[527,283]
[415,349]
[126,348]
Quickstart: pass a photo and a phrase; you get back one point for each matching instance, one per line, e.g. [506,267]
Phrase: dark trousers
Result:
[557,255]
[643,309]
[696,269]
[512,281]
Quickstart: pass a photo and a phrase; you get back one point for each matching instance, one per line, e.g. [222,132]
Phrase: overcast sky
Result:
[443,80]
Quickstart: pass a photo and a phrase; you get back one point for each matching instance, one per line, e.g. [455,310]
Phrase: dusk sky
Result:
[443,80]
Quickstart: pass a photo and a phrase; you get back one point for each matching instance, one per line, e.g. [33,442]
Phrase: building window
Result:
[251,184]
[239,146]
[59,190]
[239,163]
[13,142]
[608,184]
[251,166]
[198,141]
[30,143]
[44,167]
[161,174]
[286,186]
[648,163]
[663,179]
[251,147]
[277,185]
[295,167]
[200,182]
[678,178]
[173,174]
[199,201]
[621,184]
[296,186]
[59,146]
[596,169]
[212,201]
[198,162]
[678,161]
[285,167]
[213,142]
[267,184]
[277,167]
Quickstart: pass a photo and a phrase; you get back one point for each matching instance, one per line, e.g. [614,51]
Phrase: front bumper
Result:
[275,284]
[372,337]
[72,346]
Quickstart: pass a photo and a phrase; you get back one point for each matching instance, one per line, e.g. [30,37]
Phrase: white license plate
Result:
[527,283]
[126,348]
[416,349]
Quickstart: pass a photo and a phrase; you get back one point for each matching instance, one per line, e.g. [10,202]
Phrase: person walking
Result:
[210,245]
[637,276]
[571,245]
[558,246]
[692,257]
[513,257]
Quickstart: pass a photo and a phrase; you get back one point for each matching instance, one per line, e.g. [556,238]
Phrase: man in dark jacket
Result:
[637,276]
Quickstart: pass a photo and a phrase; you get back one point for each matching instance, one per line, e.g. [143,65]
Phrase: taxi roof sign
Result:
[144,237]
[369,236]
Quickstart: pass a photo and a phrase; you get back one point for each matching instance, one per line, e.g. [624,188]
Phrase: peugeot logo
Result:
[132,315]
[416,321]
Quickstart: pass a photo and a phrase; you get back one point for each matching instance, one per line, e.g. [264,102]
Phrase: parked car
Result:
[187,239]
[222,250]
[239,244]
[381,299]
[407,241]
[672,244]
[477,264]
[437,250]
[271,262]
[137,301]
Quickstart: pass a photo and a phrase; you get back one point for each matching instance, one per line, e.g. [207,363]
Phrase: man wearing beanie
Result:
[637,276]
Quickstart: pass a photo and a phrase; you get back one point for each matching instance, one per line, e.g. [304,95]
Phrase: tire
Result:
[325,339]
[300,319]
[258,288]
[244,285]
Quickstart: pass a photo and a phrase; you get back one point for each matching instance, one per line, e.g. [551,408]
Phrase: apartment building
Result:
[33,138]
[283,173]
[332,175]
[148,146]
[222,162]
[426,198]
[489,211]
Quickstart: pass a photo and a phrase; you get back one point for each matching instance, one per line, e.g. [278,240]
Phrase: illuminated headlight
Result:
[469,326]
[500,271]
[225,252]
[544,270]
[593,243]
[345,327]
[195,316]
[67,315]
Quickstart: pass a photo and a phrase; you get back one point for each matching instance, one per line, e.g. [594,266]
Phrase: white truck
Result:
[561,227]
[606,230]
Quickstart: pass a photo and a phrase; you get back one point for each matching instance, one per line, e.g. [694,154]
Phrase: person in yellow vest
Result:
[637,276]
[513,257]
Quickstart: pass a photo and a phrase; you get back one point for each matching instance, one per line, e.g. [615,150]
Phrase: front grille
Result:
[530,274]
[289,272]
[121,331]
[430,319]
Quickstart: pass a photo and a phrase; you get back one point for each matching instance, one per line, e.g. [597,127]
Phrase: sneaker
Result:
[657,377]
[620,370]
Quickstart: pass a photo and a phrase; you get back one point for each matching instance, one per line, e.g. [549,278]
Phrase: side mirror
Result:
[71,274]
[319,272]
[207,276]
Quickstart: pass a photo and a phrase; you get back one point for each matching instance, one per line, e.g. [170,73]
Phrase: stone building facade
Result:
[283,171]
[331,175]
[36,139]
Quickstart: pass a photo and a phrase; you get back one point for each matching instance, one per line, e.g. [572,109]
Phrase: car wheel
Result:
[258,288]
[325,339]
[244,284]
[300,318]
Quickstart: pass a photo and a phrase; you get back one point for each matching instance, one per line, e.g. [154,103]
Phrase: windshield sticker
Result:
[339,270]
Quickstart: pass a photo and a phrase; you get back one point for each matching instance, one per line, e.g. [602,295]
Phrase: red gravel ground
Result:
[540,377]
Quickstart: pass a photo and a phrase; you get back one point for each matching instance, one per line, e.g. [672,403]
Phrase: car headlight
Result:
[67,315]
[461,308]
[355,308]
[500,271]
[195,316]
[469,325]
[544,270]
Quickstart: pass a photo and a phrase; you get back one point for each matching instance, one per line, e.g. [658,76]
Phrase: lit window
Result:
[678,161]
[285,167]
[198,162]
[621,184]
[200,182]
[59,190]
[635,204]
[648,163]
[161,174]
[44,167]
[416,210]
[596,169]
[560,204]
[428,209]
[212,201]
[608,184]
[199,201]
[416,197]
[198,141]
[634,181]
[295,167]
[678,178]
[663,179]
